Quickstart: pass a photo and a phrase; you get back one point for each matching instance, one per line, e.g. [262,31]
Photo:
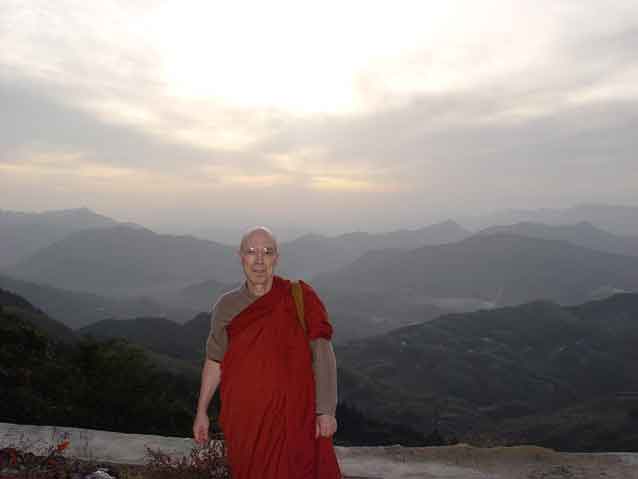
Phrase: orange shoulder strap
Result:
[297,295]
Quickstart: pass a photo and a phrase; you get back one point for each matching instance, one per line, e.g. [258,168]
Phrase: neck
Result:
[259,289]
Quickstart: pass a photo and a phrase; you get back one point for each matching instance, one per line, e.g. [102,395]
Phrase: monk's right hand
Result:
[200,428]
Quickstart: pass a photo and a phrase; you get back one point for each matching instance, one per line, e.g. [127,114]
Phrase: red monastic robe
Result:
[268,390]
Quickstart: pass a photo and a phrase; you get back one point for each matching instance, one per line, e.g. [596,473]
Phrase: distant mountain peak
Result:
[616,219]
[449,222]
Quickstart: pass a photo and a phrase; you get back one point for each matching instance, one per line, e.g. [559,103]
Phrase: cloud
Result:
[333,183]
[469,106]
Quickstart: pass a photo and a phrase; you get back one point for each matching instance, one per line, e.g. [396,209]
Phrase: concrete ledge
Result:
[394,462]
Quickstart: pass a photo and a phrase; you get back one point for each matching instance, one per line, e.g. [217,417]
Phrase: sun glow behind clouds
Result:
[305,57]
[252,54]
[226,75]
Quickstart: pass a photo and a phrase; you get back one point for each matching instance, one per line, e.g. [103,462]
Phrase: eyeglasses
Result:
[266,251]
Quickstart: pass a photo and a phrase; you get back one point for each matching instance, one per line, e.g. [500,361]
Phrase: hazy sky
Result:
[331,116]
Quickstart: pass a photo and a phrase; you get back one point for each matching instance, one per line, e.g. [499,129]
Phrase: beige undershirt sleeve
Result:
[324,365]
[217,341]
[226,308]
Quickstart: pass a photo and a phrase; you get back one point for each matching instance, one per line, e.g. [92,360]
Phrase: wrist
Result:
[324,413]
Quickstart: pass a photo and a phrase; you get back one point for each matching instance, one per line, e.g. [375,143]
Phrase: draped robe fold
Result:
[268,390]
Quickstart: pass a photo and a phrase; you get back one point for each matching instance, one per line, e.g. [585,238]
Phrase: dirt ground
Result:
[466,462]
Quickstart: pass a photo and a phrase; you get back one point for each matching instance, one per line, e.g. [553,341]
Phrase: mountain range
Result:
[127,261]
[77,308]
[617,219]
[499,269]
[371,283]
[23,234]
[582,234]
[312,254]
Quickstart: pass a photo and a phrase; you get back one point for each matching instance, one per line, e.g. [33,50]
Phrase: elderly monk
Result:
[277,382]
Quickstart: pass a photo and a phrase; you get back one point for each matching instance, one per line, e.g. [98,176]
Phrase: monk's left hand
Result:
[326,425]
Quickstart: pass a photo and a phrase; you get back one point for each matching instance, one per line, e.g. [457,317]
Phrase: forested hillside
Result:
[108,385]
[562,377]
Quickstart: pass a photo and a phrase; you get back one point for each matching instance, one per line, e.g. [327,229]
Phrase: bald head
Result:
[257,231]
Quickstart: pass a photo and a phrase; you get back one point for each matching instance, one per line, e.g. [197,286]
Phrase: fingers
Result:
[201,435]
[326,426]
[317,429]
[200,430]
[328,429]
[323,428]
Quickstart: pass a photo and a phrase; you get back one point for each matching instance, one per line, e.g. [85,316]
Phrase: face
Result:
[259,257]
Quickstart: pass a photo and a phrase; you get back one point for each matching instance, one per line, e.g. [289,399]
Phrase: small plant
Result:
[16,463]
[32,461]
[207,462]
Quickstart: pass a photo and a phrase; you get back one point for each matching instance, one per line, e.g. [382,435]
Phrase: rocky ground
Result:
[458,462]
